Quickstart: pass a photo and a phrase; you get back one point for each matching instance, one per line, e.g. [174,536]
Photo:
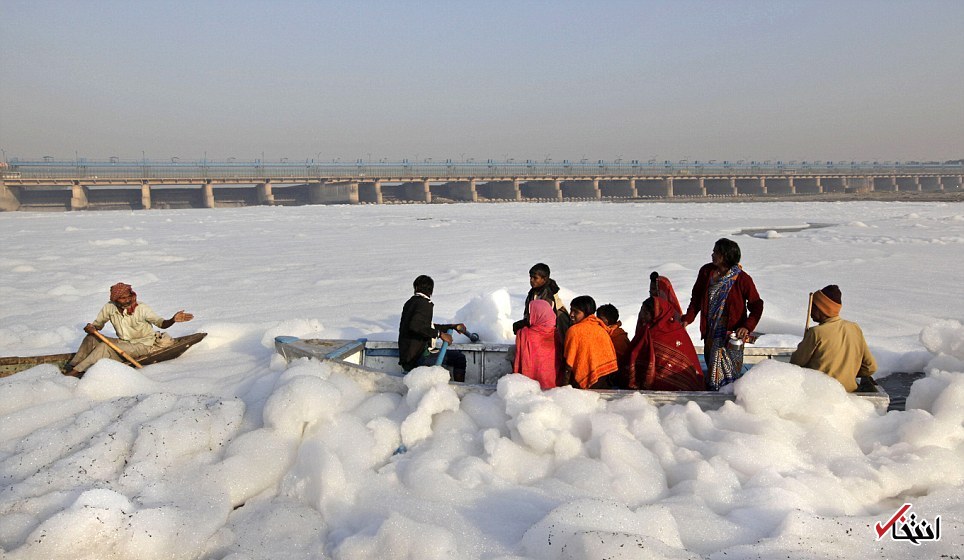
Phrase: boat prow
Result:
[374,364]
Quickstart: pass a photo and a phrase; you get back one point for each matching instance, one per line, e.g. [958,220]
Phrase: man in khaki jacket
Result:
[834,346]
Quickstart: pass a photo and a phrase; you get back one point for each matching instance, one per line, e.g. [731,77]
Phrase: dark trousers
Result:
[453,359]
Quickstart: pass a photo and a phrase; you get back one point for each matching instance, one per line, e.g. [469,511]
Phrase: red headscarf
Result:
[120,290]
[664,290]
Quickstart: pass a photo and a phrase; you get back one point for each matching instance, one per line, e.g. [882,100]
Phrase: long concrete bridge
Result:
[79,185]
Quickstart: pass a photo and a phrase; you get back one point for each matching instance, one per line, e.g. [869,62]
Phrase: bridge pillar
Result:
[950,182]
[597,194]
[9,201]
[733,186]
[702,182]
[78,197]
[333,193]
[426,191]
[557,185]
[207,195]
[763,185]
[917,185]
[668,184]
[819,186]
[634,192]
[791,186]
[379,199]
[146,196]
[517,187]
[473,192]
[265,195]
[316,192]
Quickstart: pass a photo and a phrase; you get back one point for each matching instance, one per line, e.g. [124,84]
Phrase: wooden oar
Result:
[114,347]
[809,308]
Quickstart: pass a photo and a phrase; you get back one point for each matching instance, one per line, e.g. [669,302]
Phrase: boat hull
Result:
[375,365]
[14,364]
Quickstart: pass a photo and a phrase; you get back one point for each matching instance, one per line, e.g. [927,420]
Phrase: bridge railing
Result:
[148,170]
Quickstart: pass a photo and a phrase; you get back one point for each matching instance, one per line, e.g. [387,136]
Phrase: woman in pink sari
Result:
[537,346]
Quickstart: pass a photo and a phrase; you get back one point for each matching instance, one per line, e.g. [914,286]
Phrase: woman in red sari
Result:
[537,347]
[663,357]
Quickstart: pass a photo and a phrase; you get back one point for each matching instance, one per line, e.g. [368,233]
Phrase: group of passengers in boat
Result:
[583,346]
[586,347]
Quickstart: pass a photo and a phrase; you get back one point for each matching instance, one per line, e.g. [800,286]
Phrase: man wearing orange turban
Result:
[834,346]
[133,323]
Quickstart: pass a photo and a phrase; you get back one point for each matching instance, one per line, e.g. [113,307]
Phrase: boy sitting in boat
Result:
[545,288]
[834,346]
[416,332]
[590,358]
[133,322]
[609,316]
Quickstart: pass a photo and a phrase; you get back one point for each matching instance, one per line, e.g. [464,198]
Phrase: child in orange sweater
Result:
[589,352]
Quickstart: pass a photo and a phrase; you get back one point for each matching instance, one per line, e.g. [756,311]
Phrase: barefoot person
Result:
[133,323]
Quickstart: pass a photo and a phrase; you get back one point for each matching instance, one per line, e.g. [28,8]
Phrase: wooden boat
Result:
[14,364]
[375,365]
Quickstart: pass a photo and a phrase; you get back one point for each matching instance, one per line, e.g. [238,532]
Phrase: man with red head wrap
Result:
[133,323]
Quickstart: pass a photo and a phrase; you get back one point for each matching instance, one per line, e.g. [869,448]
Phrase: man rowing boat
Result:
[132,321]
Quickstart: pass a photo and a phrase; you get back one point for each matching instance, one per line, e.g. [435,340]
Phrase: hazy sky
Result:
[566,80]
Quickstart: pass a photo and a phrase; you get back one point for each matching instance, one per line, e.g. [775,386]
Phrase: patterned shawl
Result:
[724,365]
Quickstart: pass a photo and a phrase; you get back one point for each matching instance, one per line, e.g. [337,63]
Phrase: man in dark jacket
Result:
[416,331]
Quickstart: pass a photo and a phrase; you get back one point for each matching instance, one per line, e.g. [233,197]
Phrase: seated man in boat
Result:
[132,321]
[834,346]
[609,316]
[590,358]
[545,288]
[662,357]
[416,332]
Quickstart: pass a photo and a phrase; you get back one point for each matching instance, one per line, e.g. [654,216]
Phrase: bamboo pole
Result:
[114,347]
[809,309]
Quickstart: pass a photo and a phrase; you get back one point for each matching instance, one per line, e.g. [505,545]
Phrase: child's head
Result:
[538,275]
[648,311]
[608,314]
[424,285]
[581,307]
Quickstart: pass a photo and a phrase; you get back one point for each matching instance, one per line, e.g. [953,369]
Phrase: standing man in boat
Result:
[132,321]
[834,346]
[416,331]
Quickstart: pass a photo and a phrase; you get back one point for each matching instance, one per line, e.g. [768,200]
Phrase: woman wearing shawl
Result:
[662,356]
[728,303]
[537,346]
